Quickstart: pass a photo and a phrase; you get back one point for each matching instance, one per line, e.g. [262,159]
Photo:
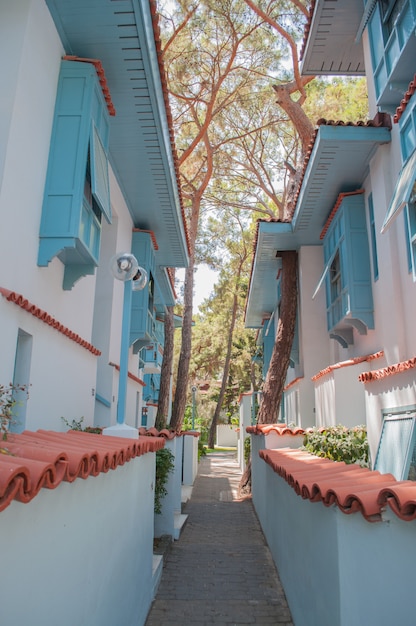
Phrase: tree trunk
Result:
[279,362]
[166,372]
[213,426]
[179,403]
[295,112]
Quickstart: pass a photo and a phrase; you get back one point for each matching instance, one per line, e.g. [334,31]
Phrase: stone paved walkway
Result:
[220,571]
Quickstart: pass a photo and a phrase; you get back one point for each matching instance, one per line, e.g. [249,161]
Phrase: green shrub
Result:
[165,464]
[77,425]
[247,449]
[202,451]
[339,443]
[7,404]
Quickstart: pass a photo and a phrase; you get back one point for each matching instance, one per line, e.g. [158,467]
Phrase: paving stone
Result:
[220,571]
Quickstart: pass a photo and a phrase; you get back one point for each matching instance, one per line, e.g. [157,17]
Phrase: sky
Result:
[205,279]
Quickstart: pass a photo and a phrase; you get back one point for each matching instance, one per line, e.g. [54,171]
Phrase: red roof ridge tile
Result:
[43,316]
[337,204]
[279,429]
[149,232]
[390,370]
[379,120]
[164,82]
[351,488]
[307,29]
[348,363]
[405,101]
[46,458]
[101,77]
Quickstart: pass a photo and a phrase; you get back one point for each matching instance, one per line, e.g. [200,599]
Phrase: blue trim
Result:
[102,400]
[124,352]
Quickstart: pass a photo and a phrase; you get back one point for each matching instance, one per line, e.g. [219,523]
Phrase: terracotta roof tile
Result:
[351,488]
[32,460]
[43,316]
[335,209]
[307,29]
[101,77]
[163,78]
[406,99]
[390,370]
[279,429]
[380,120]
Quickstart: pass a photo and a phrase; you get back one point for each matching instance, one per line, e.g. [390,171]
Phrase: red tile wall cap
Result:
[335,209]
[101,77]
[166,433]
[390,370]
[348,363]
[244,395]
[293,383]
[130,375]
[279,429]
[163,79]
[349,487]
[34,460]
[406,99]
[17,298]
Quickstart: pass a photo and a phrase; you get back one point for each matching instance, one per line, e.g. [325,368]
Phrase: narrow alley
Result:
[220,571]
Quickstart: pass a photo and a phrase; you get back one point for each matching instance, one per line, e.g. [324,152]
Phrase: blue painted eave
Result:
[164,295]
[331,47]
[120,34]
[338,163]
[262,296]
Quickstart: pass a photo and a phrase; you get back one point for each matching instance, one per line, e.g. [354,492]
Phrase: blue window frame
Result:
[77,184]
[391,29]
[373,236]
[396,452]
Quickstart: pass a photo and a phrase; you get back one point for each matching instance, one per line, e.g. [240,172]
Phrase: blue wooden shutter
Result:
[99,174]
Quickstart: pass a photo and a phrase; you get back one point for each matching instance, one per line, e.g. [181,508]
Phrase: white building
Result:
[87,170]
[353,228]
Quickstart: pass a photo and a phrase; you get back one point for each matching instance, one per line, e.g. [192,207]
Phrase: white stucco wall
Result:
[313,340]
[97,535]
[63,376]
[336,569]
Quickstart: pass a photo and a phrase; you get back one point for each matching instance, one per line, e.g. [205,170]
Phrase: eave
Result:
[330,46]
[121,35]
[338,162]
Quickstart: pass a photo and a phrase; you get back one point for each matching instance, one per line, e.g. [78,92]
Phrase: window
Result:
[373,236]
[347,269]
[77,183]
[390,10]
[411,226]
[396,452]
[335,277]
[391,27]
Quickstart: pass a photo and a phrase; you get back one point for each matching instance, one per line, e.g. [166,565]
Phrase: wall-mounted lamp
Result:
[125,267]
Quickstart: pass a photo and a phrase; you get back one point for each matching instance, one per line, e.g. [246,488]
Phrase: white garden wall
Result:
[336,569]
[82,554]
